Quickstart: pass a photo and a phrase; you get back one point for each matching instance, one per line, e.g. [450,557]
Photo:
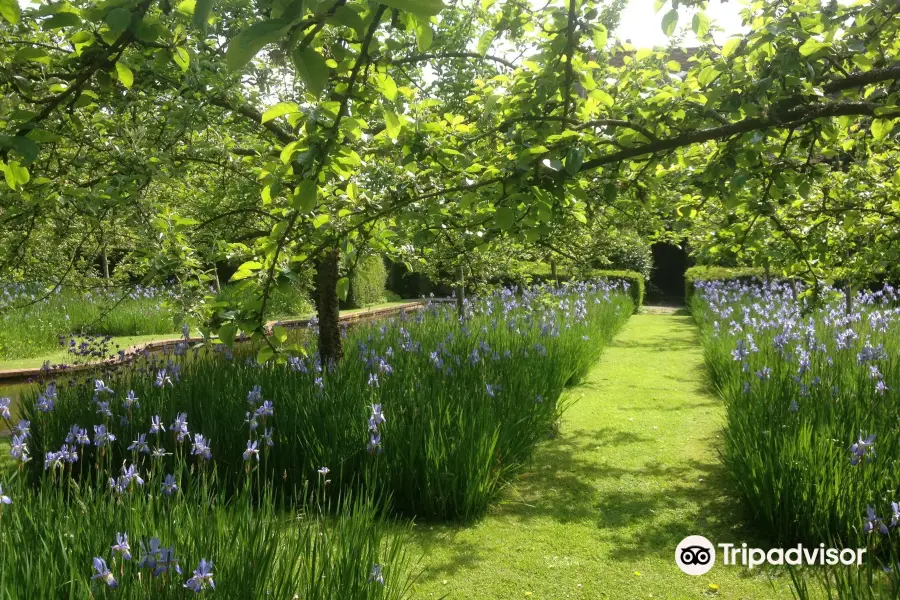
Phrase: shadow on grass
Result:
[595,476]
[466,555]
[563,484]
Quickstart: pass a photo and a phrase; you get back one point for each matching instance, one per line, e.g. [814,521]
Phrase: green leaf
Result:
[387,86]
[320,220]
[250,41]
[610,191]
[426,8]
[227,333]
[60,20]
[20,172]
[862,61]
[118,20]
[288,9]
[505,217]
[80,37]
[685,212]
[343,288]
[811,46]
[280,334]
[246,270]
[288,152]
[311,68]
[707,75]
[670,21]
[265,353]
[601,36]
[485,41]
[574,159]
[181,57]
[673,65]
[306,196]
[201,14]
[10,10]
[15,174]
[392,122]
[700,24]
[424,34]
[186,7]
[881,128]
[279,110]
[125,75]
[730,46]
[602,97]
[35,54]
[348,17]
[23,145]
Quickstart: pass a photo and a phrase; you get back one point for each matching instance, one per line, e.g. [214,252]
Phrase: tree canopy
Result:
[294,136]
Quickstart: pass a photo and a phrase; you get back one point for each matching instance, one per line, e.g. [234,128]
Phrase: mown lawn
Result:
[600,512]
[61,356]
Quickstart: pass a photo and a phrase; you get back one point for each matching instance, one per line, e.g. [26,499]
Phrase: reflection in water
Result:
[14,391]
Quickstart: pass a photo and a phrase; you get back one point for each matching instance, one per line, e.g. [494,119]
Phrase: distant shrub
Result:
[629,253]
[284,301]
[367,282]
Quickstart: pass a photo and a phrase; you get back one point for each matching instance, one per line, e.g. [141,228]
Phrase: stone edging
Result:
[20,375]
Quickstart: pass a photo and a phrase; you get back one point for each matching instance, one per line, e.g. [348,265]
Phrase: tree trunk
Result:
[331,347]
[554,272]
[461,293]
[848,298]
[768,273]
[104,264]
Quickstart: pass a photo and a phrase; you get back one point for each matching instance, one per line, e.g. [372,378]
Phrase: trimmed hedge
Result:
[367,282]
[542,272]
[635,283]
[713,273]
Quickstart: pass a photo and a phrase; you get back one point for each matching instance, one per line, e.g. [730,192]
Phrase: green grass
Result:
[6,461]
[30,330]
[602,507]
[61,356]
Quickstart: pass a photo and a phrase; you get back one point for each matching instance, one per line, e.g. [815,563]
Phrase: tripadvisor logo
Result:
[696,555]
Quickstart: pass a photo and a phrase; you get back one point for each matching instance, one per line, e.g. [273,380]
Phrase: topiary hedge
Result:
[713,273]
[367,282]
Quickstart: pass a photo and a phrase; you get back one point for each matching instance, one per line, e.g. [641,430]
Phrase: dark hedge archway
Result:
[667,279]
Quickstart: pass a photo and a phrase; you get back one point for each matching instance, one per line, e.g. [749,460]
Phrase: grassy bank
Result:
[61,356]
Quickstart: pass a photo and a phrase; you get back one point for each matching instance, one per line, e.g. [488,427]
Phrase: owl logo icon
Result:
[695,555]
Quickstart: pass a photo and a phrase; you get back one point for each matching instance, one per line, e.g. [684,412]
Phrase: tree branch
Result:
[472,55]
[789,118]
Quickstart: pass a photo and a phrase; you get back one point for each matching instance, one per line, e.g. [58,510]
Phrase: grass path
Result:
[603,506]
